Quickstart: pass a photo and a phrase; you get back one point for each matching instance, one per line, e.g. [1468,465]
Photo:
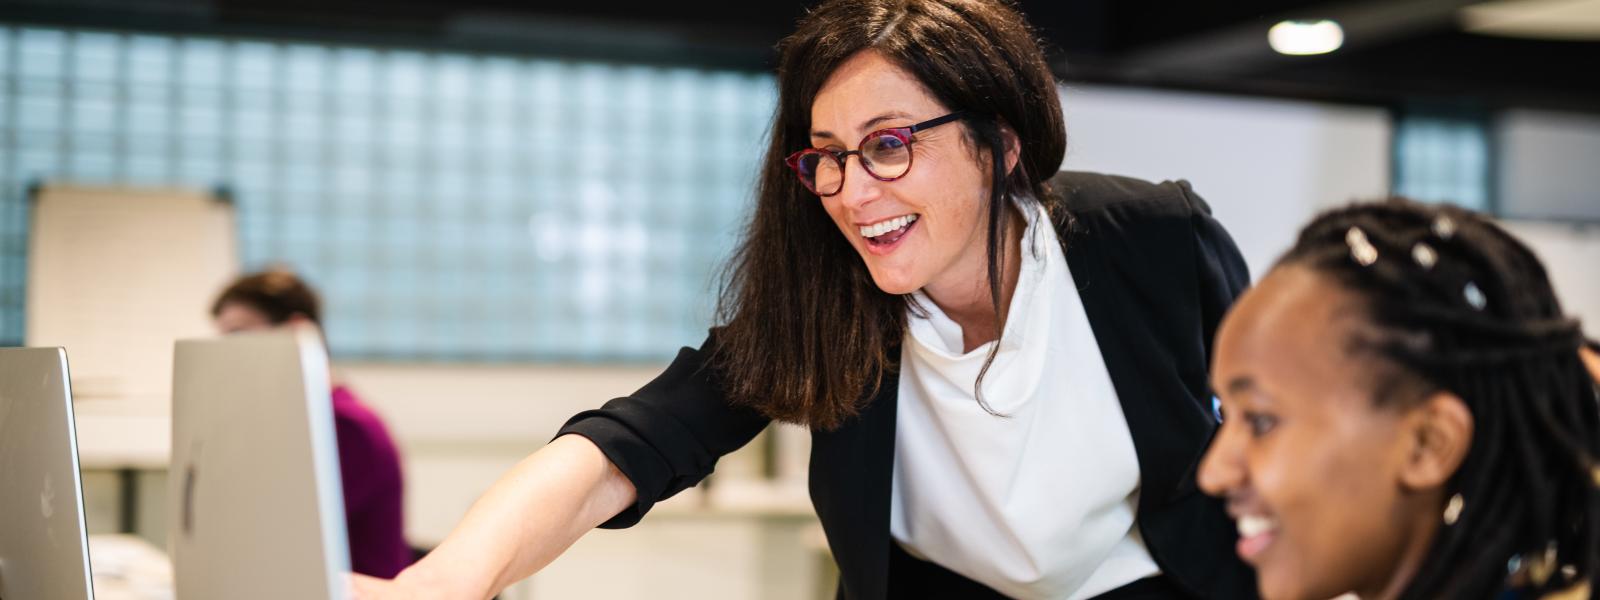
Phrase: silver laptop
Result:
[43,549]
[257,507]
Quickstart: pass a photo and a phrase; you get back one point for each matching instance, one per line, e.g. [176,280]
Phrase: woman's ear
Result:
[1013,147]
[1440,432]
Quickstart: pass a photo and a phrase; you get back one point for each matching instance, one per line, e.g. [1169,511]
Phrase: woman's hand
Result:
[363,587]
[406,586]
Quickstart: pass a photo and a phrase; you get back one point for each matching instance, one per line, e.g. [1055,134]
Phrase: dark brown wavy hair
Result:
[806,335]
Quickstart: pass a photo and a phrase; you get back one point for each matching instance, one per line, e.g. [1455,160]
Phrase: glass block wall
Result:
[1443,159]
[448,205]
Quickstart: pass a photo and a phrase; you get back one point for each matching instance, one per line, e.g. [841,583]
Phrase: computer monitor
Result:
[257,507]
[44,551]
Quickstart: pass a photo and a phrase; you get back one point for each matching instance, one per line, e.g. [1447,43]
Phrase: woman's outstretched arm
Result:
[528,518]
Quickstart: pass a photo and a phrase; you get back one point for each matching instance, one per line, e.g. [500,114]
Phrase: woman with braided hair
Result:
[1407,416]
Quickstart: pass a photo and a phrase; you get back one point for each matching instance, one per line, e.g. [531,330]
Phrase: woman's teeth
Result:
[1256,533]
[1253,525]
[882,227]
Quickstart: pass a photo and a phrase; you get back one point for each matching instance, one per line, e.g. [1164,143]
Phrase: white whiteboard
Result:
[116,275]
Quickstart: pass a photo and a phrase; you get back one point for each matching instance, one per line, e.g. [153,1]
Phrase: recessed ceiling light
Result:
[1302,38]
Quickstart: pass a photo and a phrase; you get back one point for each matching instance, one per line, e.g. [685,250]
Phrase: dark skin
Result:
[1334,493]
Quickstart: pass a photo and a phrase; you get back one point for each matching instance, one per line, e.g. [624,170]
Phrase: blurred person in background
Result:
[369,463]
[1406,415]
[1003,368]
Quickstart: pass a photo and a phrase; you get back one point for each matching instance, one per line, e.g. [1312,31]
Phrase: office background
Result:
[517,211]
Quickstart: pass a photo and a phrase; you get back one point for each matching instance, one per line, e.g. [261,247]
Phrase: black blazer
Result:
[1155,271]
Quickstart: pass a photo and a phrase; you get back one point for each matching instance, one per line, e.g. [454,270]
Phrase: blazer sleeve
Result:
[1223,274]
[1222,277]
[667,436]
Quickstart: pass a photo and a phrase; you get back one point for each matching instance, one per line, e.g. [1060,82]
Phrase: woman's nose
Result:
[860,187]
[1222,468]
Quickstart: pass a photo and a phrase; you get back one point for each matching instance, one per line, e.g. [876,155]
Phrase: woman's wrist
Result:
[439,577]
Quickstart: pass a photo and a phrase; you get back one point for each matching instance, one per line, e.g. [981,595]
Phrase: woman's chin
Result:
[897,283]
[1273,586]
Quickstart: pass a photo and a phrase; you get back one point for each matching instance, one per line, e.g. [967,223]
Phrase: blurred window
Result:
[1443,158]
[449,206]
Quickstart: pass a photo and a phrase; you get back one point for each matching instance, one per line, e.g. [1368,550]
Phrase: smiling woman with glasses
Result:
[1003,367]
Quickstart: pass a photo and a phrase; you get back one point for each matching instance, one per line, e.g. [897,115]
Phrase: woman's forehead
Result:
[1293,327]
[865,87]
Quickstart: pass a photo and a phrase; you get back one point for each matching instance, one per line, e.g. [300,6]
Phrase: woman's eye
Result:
[889,142]
[1260,424]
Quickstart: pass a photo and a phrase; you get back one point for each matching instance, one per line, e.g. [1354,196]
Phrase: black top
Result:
[1155,272]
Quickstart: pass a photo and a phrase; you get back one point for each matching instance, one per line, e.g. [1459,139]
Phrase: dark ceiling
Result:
[1398,52]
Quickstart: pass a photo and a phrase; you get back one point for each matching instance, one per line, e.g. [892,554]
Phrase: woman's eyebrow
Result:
[865,125]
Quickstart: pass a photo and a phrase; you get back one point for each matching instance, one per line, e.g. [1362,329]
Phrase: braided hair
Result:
[1454,303]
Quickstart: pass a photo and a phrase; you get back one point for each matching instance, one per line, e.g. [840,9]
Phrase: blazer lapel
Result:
[1129,316]
[852,471]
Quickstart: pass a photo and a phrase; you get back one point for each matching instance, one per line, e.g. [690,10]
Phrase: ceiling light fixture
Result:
[1304,38]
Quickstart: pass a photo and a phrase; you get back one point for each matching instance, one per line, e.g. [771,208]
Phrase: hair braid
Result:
[1455,303]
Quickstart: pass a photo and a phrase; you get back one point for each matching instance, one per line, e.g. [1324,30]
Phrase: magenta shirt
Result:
[373,486]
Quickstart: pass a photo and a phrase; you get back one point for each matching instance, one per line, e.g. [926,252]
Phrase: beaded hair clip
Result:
[1365,254]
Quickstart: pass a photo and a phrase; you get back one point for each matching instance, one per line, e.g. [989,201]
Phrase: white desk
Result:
[128,568]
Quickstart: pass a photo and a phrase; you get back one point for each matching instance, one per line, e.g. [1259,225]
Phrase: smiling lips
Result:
[884,235]
[1256,533]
